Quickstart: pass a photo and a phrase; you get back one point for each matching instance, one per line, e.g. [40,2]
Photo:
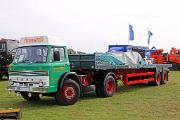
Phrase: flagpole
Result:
[148,36]
[128,32]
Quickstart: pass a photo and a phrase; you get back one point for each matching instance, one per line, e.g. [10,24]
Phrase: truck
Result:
[173,57]
[42,67]
[7,51]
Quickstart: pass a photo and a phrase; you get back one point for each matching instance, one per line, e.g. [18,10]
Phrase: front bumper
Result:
[28,89]
[38,84]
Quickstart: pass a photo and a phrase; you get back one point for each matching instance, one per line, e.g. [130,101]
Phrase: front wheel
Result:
[68,94]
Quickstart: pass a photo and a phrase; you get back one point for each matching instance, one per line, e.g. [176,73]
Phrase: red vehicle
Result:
[158,56]
[173,57]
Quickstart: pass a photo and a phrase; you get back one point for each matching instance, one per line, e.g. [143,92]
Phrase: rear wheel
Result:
[68,94]
[157,79]
[33,97]
[108,87]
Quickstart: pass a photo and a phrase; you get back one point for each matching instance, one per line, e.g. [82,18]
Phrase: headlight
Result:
[40,83]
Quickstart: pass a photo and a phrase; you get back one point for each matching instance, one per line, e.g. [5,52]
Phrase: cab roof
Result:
[40,40]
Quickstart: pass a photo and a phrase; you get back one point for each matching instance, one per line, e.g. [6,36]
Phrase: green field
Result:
[138,102]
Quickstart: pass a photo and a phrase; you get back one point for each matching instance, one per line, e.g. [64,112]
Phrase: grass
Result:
[137,102]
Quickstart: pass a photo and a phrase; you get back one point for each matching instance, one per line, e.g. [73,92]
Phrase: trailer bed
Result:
[92,62]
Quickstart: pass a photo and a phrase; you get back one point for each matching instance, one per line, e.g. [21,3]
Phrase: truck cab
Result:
[174,58]
[37,67]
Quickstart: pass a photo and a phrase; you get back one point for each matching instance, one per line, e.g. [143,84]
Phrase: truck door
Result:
[59,63]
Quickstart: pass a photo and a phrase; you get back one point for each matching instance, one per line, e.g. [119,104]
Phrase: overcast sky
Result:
[91,25]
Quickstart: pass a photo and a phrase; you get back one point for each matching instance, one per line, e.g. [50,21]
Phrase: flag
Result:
[131,32]
[149,36]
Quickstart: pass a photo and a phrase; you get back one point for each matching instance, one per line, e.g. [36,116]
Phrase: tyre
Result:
[34,97]
[107,88]
[99,91]
[164,77]
[68,94]
[157,79]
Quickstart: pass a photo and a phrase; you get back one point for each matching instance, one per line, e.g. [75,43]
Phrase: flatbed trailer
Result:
[41,68]
[129,74]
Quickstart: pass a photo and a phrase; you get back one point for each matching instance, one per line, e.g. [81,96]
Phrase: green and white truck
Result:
[42,67]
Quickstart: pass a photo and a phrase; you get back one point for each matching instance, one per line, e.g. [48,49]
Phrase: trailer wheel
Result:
[157,79]
[34,97]
[164,77]
[68,94]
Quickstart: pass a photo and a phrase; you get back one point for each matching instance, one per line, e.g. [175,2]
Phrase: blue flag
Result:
[131,32]
[149,36]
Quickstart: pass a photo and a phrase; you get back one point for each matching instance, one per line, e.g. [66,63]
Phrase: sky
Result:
[92,25]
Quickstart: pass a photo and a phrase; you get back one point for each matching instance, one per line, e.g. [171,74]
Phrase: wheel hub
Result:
[110,87]
[69,92]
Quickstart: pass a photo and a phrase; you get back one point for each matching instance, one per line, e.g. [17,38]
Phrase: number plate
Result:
[16,84]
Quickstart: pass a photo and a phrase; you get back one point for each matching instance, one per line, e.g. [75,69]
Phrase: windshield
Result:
[35,54]
[2,46]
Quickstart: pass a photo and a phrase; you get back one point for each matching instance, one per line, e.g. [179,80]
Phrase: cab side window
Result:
[57,54]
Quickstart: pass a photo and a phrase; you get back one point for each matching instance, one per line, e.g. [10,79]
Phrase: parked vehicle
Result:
[7,51]
[42,67]
[173,57]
